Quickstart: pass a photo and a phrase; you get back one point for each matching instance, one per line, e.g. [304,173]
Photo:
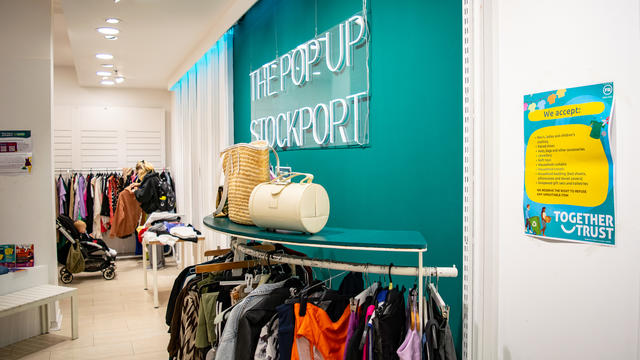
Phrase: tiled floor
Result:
[117,319]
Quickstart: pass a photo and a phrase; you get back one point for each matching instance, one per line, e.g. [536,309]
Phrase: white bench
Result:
[40,296]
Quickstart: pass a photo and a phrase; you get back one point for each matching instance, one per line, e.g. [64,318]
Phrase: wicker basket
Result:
[245,166]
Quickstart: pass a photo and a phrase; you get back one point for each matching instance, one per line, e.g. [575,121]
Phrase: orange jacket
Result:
[127,215]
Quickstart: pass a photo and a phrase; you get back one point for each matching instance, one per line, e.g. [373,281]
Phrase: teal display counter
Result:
[389,240]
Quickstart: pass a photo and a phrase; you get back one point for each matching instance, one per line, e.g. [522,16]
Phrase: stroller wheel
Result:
[109,273]
[63,270]
[65,276]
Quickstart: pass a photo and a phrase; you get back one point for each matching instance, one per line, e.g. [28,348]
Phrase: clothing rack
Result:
[89,170]
[337,238]
[345,266]
[118,169]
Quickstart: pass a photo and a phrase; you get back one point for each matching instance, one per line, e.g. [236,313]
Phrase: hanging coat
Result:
[126,216]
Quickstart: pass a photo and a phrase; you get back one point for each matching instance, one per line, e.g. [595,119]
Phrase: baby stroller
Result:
[96,256]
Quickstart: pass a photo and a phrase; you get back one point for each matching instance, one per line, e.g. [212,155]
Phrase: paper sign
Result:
[16,152]
[568,174]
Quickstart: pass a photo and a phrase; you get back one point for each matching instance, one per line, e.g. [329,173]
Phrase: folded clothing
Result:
[159,229]
[185,232]
[165,239]
[170,225]
[161,216]
[141,231]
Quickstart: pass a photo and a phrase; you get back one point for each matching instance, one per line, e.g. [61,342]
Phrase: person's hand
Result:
[133,187]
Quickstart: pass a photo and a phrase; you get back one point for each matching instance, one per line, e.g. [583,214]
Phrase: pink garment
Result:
[353,323]
[365,353]
[410,348]
[80,208]
[62,192]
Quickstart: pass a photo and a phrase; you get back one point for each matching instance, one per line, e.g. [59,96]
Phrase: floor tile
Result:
[150,344]
[116,320]
[94,352]
[157,355]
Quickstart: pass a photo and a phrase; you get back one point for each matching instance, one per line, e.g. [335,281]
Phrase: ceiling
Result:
[155,37]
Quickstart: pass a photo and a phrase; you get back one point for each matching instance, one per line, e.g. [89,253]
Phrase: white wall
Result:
[563,300]
[68,93]
[27,212]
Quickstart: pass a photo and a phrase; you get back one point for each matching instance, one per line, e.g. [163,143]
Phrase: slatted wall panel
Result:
[108,137]
[144,145]
[99,148]
[62,148]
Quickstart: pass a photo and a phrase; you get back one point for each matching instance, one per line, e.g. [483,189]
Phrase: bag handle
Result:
[225,192]
[277,168]
[308,179]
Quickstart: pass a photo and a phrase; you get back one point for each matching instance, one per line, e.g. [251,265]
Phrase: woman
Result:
[543,219]
[146,189]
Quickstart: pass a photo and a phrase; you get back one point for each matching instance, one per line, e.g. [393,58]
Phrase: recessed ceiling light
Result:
[107,82]
[108,30]
[111,37]
[112,20]
[107,65]
[119,79]
[116,1]
[104,56]
[103,73]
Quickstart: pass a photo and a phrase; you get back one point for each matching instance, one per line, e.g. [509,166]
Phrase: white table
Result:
[197,255]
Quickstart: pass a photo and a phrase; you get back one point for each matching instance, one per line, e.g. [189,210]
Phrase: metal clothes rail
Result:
[112,169]
[345,266]
[337,238]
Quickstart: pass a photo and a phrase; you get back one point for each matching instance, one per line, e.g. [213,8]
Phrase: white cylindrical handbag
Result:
[282,204]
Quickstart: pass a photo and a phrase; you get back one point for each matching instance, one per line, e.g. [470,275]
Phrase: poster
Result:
[8,255]
[568,172]
[24,255]
[16,152]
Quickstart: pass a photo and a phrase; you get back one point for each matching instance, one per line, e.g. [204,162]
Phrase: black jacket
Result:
[251,323]
[147,193]
[389,325]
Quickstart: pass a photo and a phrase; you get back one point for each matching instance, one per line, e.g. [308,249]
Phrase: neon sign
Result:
[317,94]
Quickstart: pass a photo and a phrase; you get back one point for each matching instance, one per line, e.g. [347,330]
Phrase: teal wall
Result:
[410,177]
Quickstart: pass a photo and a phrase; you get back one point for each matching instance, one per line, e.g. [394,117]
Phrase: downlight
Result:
[103,73]
[108,31]
[104,56]
[119,79]
[112,21]
[111,37]
[107,82]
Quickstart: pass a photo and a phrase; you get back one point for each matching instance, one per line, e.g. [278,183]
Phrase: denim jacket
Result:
[227,348]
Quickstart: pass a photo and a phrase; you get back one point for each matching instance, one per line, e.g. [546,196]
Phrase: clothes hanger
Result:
[278,272]
[306,290]
[227,266]
[218,252]
[442,306]
[390,280]
[371,290]
[366,275]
